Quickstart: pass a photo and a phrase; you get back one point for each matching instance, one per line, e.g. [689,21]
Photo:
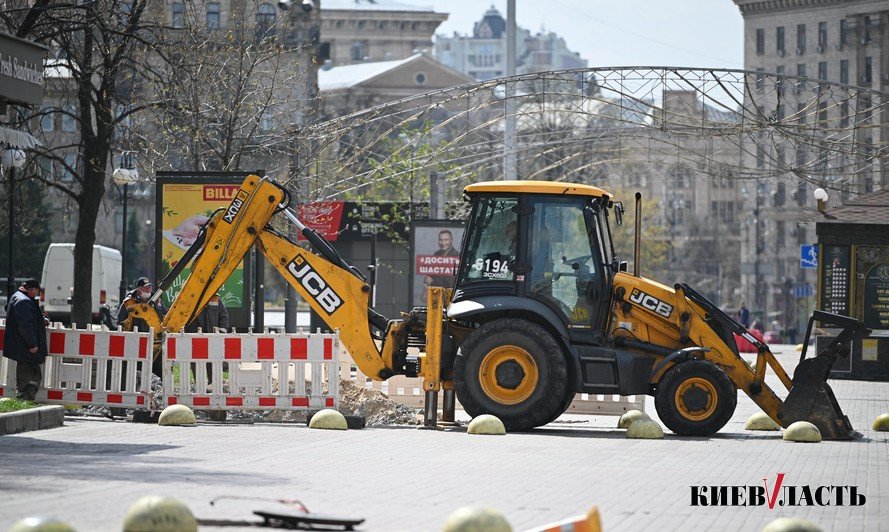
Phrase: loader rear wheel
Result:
[513,369]
[695,398]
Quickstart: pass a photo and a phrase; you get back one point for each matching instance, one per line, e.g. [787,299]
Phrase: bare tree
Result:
[228,97]
[98,52]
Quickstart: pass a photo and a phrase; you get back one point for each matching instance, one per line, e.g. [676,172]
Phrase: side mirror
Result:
[619,213]
[623,266]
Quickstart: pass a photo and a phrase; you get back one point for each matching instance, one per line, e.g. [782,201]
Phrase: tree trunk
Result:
[91,201]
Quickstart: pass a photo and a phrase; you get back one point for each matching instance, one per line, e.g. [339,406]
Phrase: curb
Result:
[41,417]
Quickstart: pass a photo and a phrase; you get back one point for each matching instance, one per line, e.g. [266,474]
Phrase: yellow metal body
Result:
[647,325]
[536,187]
[430,360]
[345,305]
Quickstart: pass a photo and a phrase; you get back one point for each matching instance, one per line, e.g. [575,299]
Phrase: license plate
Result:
[57,301]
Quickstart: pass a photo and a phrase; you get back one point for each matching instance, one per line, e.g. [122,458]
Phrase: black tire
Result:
[695,398]
[513,369]
[563,406]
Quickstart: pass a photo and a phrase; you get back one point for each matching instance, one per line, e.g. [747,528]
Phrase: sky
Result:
[611,33]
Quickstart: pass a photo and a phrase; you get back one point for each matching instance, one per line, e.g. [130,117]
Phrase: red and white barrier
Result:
[100,368]
[265,371]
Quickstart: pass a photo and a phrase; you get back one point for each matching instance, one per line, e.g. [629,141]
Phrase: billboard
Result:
[185,201]
[435,253]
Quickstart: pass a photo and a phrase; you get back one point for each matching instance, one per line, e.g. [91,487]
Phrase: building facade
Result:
[356,31]
[839,41]
[482,55]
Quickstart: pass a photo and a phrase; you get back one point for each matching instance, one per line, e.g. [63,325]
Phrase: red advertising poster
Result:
[322,216]
[436,248]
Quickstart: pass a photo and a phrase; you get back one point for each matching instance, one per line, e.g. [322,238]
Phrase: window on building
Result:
[844,71]
[801,156]
[265,20]
[779,79]
[69,123]
[844,32]
[780,194]
[801,72]
[844,113]
[760,79]
[802,236]
[801,193]
[47,120]
[781,156]
[760,156]
[865,36]
[780,113]
[800,38]
[214,19]
[45,165]
[867,75]
[822,36]
[781,234]
[760,41]
[70,167]
[822,70]
[358,51]
[178,18]
[779,40]
[800,113]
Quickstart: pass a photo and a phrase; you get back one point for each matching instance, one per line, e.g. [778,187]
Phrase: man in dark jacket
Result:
[25,339]
[141,294]
[213,316]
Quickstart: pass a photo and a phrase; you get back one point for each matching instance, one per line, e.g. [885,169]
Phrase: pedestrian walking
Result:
[25,339]
[744,315]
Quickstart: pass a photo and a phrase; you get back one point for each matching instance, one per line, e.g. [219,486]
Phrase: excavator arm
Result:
[334,289]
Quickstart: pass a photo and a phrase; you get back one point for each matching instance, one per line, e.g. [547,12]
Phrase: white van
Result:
[58,282]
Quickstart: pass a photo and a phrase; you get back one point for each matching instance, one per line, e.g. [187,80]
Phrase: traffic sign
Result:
[808,256]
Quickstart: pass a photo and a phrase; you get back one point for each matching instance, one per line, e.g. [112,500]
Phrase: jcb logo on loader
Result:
[651,303]
[235,206]
[315,285]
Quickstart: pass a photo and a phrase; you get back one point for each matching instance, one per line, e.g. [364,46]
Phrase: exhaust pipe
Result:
[637,240]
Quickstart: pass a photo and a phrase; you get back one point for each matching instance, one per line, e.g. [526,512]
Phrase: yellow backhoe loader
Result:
[542,310]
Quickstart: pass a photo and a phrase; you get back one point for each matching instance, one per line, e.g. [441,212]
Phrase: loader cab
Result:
[543,248]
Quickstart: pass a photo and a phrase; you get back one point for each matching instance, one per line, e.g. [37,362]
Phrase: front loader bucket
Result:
[811,398]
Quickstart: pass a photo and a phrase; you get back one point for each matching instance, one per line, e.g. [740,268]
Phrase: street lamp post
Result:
[12,158]
[124,175]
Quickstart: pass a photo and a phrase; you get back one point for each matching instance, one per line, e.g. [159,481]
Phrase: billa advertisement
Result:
[185,204]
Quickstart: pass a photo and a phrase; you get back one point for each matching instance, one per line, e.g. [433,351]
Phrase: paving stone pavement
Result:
[89,471]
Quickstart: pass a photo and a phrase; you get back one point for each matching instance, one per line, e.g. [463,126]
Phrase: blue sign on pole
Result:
[803,290]
[808,256]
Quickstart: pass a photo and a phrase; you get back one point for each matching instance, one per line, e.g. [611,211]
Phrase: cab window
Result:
[564,265]
[491,244]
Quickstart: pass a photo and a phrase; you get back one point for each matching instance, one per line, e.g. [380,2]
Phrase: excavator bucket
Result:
[811,398]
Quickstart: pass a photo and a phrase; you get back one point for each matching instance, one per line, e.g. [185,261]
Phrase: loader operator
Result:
[141,294]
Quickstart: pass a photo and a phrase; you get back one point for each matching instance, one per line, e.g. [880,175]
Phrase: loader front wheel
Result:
[695,398]
[513,369]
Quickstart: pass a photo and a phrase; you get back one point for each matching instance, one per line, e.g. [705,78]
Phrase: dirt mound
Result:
[374,406]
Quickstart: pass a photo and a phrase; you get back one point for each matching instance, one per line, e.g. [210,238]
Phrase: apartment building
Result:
[837,41]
